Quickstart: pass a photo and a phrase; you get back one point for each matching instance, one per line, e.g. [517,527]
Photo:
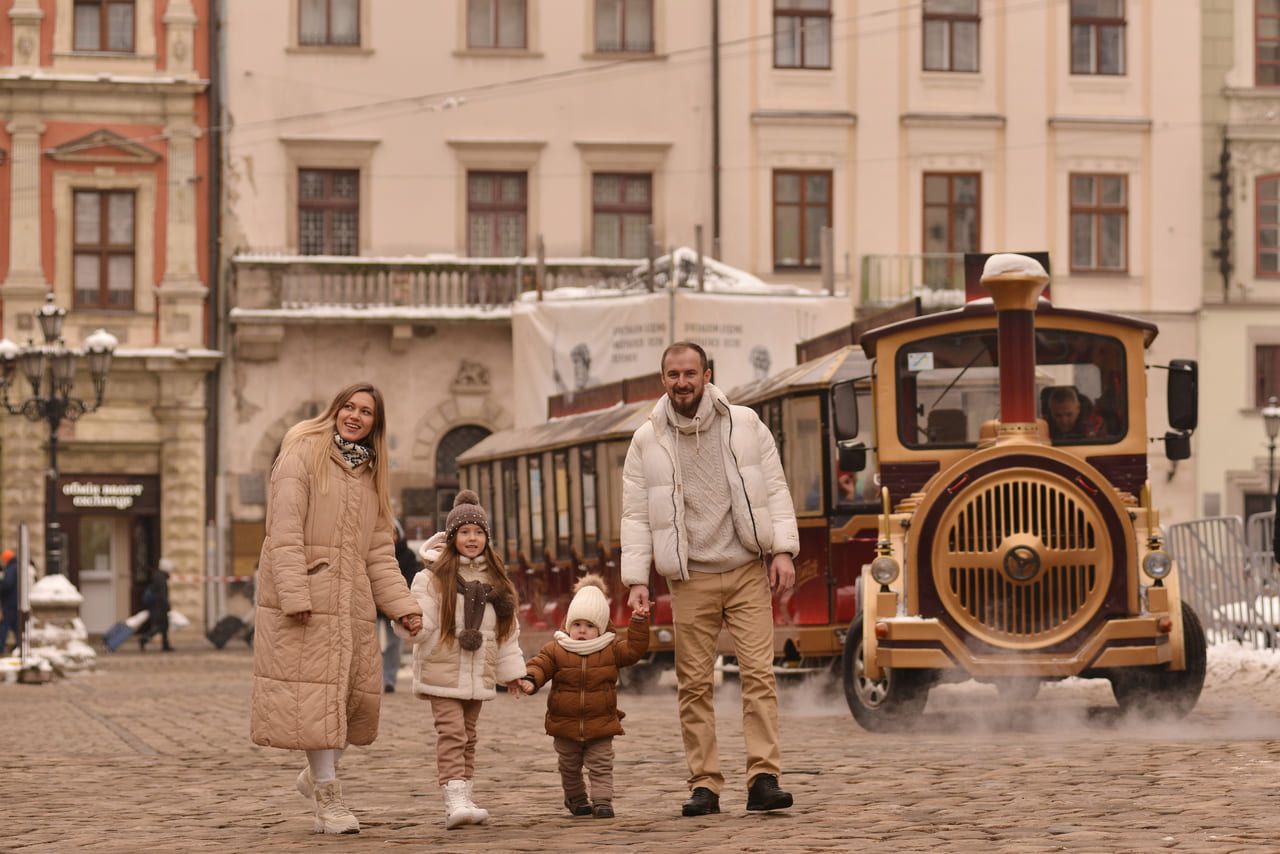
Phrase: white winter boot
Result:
[480,814]
[332,815]
[457,807]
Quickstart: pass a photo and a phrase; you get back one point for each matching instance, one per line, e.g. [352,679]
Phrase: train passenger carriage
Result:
[555,493]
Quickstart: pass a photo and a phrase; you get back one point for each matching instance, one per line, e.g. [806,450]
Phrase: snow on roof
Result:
[375,312]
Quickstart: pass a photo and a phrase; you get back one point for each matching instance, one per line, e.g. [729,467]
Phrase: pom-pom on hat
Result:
[165,565]
[590,603]
[466,510]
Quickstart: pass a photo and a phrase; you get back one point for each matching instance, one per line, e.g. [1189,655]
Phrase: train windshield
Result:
[950,384]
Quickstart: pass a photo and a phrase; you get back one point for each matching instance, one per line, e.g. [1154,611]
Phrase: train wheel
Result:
[1160,691]
[885,705]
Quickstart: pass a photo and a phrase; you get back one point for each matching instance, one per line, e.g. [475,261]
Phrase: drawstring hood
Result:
[700,421]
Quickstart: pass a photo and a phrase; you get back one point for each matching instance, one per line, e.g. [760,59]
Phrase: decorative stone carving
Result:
[472,378]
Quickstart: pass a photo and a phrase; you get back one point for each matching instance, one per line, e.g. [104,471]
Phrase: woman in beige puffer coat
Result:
[327,561]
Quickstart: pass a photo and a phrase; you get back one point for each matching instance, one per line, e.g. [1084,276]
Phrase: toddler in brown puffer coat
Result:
[582,711]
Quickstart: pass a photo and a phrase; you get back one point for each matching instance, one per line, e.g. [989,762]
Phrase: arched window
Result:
[452,444]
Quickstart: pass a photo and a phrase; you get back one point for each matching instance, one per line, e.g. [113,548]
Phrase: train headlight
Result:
[1157,564]
[884,569]
[665,636]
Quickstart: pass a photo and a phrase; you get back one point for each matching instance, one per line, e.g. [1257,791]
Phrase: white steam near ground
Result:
[1241,699]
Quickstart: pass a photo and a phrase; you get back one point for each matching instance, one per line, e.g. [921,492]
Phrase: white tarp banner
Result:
[751,337]
[569,344]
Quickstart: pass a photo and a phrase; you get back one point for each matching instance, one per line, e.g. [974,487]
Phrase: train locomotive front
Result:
[1024,547]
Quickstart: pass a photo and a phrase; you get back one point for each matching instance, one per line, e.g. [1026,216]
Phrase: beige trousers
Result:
[455,737]
[597,756]
[740,599]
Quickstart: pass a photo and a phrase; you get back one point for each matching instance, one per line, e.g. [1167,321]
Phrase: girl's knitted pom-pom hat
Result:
[466,510]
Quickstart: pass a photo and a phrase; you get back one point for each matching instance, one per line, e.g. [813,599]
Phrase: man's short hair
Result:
[1063,394]
[678,347]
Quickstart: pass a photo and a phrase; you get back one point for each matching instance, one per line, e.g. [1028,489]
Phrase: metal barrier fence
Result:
[1233,587]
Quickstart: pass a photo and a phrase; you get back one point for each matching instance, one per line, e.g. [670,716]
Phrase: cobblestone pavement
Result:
[151,753]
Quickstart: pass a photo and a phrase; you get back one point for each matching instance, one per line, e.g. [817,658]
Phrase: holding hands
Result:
[519,687]
[412,623]
[638,601]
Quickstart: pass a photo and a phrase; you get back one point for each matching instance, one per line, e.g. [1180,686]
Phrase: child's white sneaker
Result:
[480,814]
[458,809]
[332,815]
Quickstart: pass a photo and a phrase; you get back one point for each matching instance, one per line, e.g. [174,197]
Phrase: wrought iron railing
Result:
[936,278]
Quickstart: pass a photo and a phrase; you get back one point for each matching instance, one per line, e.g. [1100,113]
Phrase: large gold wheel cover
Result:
[1022,558]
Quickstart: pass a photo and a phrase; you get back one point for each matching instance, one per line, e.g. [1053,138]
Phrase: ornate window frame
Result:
[319,153]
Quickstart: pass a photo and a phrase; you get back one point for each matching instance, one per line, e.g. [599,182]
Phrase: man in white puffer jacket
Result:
[705,501]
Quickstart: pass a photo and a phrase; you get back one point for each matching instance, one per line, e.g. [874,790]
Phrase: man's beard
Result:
[691,409]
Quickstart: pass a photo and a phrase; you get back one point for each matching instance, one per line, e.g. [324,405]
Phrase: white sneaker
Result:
[306,786]
[332,815]
[480,815]
[457,808]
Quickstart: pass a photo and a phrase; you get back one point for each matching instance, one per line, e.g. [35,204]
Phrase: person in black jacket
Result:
[391,655]
[156,600]
[1275,531]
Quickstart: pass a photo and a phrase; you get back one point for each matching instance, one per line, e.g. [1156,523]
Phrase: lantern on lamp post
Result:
[1271,421]
[50,369]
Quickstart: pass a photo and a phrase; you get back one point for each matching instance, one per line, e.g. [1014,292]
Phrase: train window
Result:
[854,489]
[771,415]
[481,478]
[803,459]
[587,460]
[537,525]
[560,466]
[949,385]
[510,508]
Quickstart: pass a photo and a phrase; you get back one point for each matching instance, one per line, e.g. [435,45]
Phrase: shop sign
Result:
[89,493]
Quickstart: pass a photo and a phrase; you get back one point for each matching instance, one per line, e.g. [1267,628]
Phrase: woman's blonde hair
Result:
[446,569]
[312,439]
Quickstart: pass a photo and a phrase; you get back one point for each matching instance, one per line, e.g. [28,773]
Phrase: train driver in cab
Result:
[1070,417]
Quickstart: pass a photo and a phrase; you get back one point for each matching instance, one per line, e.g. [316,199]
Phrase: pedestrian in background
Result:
[391,653]
[155,598]
[9,618]
[327,561]
[582,663]
[705,501]
[470,644]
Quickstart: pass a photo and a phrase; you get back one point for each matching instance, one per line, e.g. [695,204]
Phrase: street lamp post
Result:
[1271,421]
[50,368]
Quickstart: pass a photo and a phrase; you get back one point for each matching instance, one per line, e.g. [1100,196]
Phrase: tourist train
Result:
[971,493]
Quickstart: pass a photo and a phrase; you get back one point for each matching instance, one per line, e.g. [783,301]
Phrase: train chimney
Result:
[1016,282]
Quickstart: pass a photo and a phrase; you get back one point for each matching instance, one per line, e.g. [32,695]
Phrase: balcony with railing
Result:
[284,285]
[936,278]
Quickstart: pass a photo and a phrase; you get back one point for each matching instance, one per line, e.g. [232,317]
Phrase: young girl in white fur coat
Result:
[469,644]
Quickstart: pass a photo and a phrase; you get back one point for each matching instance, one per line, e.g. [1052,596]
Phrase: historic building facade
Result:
[104,203]
[1240,325]
[395,170]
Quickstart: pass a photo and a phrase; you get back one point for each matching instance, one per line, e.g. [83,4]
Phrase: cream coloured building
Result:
[394,168]
[1240,325]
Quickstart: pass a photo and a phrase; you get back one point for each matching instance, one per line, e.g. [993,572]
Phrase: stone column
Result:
[182,295]
[26,286]
[181,416]
[25,18]
[24,459]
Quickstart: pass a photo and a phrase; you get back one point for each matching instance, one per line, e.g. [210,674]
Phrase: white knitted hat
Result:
[165,565]
[590,603]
